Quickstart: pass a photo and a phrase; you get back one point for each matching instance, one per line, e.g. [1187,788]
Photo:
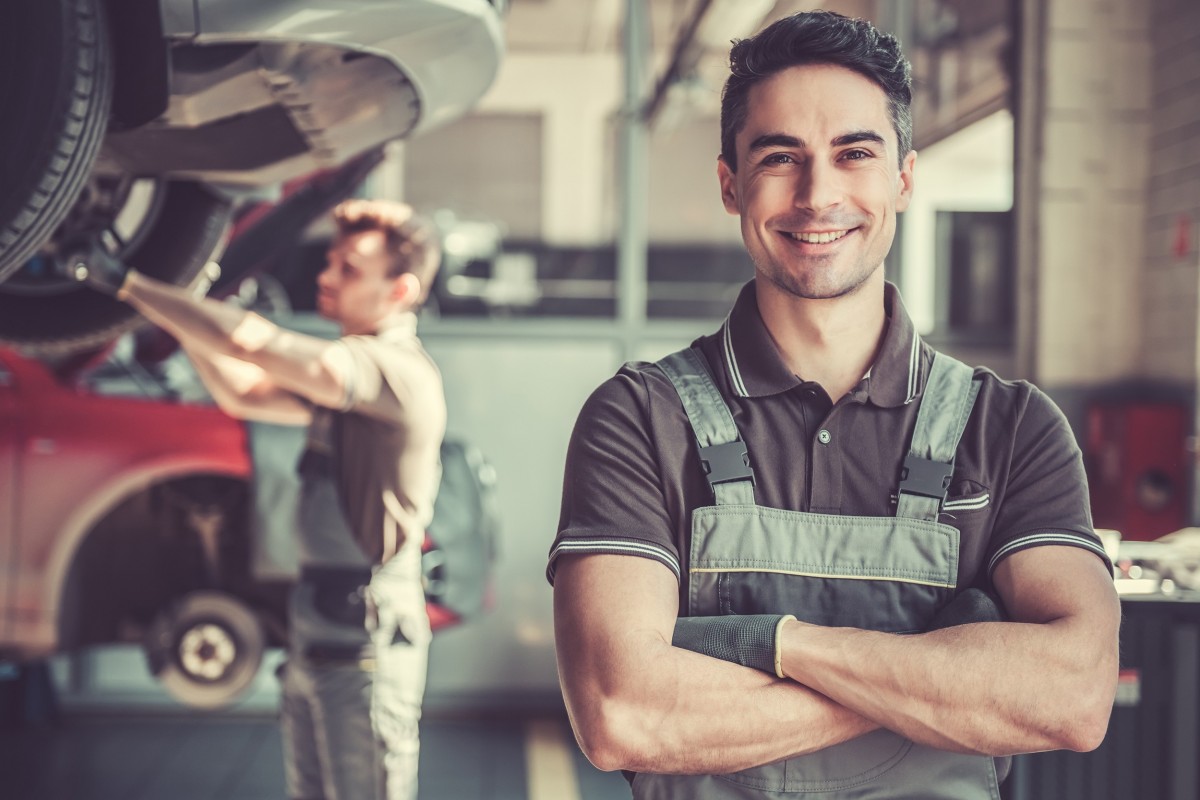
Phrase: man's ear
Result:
[906,181]
[406,289]
[727,178]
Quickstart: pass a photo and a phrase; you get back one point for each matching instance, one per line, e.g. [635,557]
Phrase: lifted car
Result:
[134,124]
[132,510]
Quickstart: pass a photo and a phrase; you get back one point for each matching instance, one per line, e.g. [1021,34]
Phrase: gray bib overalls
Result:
[887,574]
[355,677]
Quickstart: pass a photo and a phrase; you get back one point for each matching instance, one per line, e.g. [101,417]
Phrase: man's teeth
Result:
[818,238]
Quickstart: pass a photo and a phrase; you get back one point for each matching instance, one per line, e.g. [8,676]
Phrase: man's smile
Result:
[816,239]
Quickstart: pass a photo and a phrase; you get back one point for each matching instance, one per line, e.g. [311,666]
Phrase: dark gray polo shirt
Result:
[633,473]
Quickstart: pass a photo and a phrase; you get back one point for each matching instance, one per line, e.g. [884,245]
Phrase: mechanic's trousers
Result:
[350,727]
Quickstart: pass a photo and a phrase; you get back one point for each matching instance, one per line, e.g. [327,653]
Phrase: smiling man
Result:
[809,554]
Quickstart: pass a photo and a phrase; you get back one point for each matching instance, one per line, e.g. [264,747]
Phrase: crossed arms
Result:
[1044,680]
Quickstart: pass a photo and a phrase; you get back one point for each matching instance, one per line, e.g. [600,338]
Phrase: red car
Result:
[130,515]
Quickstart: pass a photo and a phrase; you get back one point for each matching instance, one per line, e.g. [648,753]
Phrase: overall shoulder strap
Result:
[724,457]
[941,418]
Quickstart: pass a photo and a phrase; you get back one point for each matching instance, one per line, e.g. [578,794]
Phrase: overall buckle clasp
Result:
[926,478]
[726,462]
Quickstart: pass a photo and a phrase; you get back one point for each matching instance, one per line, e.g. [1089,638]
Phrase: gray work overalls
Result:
[357,659]
[877,573]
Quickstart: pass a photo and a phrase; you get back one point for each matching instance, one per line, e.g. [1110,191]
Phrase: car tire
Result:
[206,650]
[56,79]
[188,227]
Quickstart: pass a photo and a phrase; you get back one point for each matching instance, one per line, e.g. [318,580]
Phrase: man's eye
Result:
[857,155]
[778,158]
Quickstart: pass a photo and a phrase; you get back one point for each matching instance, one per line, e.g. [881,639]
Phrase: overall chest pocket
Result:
[877,573]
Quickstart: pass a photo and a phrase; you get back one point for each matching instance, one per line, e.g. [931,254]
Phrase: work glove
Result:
[969,605]
[93,265]
[746,639]
[751,639]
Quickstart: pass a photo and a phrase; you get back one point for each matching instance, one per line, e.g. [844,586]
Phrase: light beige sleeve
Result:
[382,380]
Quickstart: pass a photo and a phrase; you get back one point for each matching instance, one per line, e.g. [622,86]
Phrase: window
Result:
[975,276]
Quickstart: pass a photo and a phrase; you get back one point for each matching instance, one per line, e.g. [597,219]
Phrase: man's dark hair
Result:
[816,37]
[412,240]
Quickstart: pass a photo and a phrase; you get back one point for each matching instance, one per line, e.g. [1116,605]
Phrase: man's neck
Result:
[832,342]
[374,328]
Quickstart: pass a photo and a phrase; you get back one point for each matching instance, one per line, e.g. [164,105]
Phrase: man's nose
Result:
[818,187]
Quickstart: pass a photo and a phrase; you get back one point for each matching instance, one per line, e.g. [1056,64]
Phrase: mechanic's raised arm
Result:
[244,391]
[638,703]
[303,365]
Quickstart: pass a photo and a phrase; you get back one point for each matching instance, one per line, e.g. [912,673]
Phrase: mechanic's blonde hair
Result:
[411,239]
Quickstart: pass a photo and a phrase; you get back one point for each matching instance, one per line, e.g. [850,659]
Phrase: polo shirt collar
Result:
[896,377]
[755,368]
[398,327]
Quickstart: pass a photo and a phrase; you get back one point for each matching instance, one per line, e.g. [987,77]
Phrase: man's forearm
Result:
[217,384]
[293,362]
[638,703]
[691,714]
[242,390]
[1042,682]
[199,322]
[991,688]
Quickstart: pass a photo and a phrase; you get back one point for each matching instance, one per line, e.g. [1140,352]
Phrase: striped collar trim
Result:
[735,370]
[894,379]
[914,368]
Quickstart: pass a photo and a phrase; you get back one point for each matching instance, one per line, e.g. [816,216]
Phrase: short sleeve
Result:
[1046,499]
[612,493]
[380,378]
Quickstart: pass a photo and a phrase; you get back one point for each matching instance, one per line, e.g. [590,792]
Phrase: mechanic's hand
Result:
[93,265]
[970,605]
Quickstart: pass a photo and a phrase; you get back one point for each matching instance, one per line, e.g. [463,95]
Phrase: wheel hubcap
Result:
[207,651]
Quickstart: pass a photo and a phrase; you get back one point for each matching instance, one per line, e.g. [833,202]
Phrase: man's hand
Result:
[93,265]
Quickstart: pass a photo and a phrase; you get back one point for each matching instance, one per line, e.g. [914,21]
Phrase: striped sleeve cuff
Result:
[612,546]
[1040,538]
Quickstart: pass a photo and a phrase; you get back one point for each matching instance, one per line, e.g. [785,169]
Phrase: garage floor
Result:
[177,757]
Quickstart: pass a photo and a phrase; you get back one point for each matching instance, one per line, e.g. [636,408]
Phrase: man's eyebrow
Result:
[854,137]
[768,140]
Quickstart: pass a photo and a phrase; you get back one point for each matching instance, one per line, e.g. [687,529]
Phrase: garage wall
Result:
[685,197]
[1172,268]
[1091,192]
[516,397]
[539,155]
[488,166]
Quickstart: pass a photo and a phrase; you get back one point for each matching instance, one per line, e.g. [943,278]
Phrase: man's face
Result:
[817,185]
[354,290]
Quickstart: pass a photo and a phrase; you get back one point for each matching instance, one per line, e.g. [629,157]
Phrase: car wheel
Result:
[166,229]
[206,650]
[56,85]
